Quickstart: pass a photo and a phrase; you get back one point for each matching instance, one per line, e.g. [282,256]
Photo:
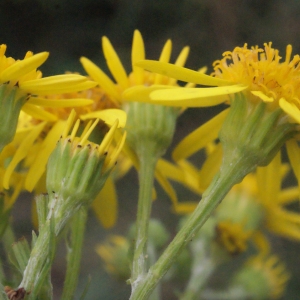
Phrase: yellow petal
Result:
[165,184]
[293,152]
[76,102]
[21,152]
[164,57]
[137,54]
[23,67]
[109,116]
[114,63]
[180,61]
[191,179]
[195,97]
[181,73]
[269,181]
[58,84]
[200,137]
[141,93]
[170,170]
[291,109]
[262,96]
[184,208]
[210,167]
[39,166]
[99,76]
[38,113]
[283,228]
[105,205]
[288,195]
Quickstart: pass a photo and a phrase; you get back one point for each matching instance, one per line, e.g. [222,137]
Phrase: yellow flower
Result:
[139,83]
[258,73]
[133,87]
[21,83]
[36,139]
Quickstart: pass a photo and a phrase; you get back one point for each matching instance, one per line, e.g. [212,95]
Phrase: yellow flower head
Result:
[139,83]
[24,74]
[267,77]
[20,81]
[135,86]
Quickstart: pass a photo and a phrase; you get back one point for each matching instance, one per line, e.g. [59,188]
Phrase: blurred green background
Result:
[70,29]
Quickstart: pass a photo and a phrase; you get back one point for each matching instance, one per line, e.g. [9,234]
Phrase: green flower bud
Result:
[77,170]
[150,125]
[262,278]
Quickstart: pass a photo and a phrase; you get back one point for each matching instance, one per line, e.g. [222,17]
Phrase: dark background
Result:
[70,29]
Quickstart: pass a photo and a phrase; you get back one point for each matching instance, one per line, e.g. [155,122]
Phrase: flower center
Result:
[261,70]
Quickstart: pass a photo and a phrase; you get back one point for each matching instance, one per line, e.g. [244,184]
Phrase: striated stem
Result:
[146,179]
[217,190]
[74,253]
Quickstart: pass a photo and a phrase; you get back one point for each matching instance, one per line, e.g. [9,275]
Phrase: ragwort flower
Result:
[136,87]
[21,83]
[36,139]
[262,78]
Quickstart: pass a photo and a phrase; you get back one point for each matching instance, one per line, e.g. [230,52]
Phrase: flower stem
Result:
[222,183]
[74,253]
[40,261]
[146,179]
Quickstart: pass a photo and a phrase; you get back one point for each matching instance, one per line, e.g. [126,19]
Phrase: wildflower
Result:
[262,277]
[259,73]
[136,87]
[36,139]
[21,83]
[77,170]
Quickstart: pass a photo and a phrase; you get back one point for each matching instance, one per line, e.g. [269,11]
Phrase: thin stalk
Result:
[146,179]
[40,261]
[228,176]
[78,226]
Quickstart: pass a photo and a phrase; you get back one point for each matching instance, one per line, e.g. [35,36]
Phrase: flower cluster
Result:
[71,164]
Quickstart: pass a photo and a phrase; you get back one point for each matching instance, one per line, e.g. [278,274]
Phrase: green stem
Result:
[146,179]
[152,254]
[74,253]
[40,261]
[228,176]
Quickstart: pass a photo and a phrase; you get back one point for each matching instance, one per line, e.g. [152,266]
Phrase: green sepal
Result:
[42,208]
[149,124]
[20,253]
[253,132]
